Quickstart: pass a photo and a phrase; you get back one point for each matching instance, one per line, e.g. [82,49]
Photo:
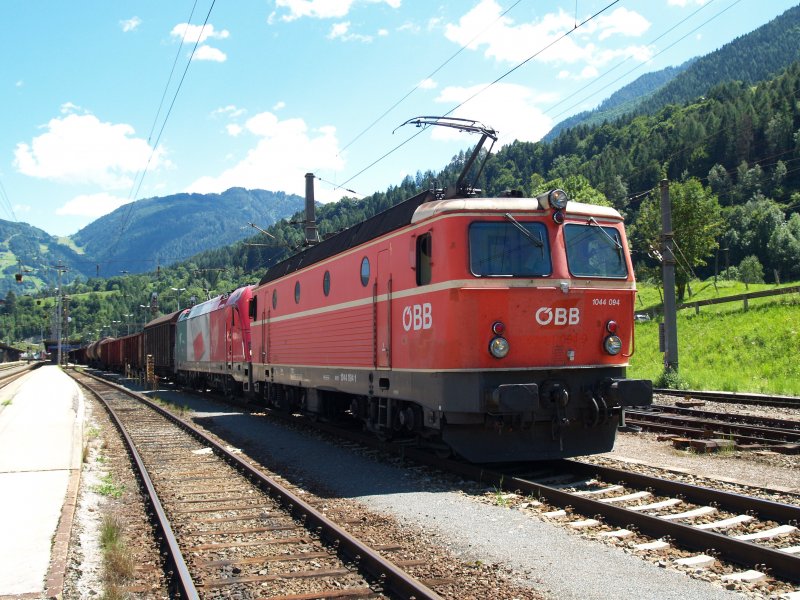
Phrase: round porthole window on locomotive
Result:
[297,292]
[274,298]
[326,283]
[365,271]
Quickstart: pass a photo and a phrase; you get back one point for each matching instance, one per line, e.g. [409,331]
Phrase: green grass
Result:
[118,563]
[725,347]
[107,487]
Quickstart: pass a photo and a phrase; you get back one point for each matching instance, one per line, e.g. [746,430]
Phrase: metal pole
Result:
[59,316]
[668,273]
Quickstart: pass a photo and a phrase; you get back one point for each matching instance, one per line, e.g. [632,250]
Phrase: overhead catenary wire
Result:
[7,202]
[487,86]
[137,185]
[434,72]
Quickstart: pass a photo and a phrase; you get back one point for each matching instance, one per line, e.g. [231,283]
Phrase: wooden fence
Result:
[744,298]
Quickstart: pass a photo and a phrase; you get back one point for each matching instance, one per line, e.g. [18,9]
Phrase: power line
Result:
[137,187]
[436,70]
[680,39]
[487,86]
[7,202]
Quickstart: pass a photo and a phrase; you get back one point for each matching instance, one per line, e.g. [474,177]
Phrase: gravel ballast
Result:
[542,555]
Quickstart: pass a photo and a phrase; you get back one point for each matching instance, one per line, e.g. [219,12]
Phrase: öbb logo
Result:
[417,316]
[558,316]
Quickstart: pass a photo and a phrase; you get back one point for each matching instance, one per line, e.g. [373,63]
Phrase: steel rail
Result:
[733,397]
[391,577]
[9,375]
[181,580]
[705,427]
[781,564]
[724,417]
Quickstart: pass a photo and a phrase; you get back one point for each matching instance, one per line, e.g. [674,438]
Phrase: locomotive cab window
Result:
[594,251]
[252,309]
[424,259]
[274,299]
[297,292]
[509,249]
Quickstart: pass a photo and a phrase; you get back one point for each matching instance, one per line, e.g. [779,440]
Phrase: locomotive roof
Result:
[501,205]
[412,211]
[390,219]
[163,319]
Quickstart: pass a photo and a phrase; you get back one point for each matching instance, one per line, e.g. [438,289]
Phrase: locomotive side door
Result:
[383,312]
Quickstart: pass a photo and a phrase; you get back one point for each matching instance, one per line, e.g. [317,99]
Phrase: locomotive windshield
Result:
[509,249]
[594,251]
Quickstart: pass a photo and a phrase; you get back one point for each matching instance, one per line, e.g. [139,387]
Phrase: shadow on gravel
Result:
[303,457]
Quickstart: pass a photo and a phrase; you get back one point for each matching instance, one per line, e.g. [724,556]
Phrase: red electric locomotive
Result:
[499,328]
[212,344]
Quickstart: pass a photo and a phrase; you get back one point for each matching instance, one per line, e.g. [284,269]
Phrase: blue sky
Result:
[278,88]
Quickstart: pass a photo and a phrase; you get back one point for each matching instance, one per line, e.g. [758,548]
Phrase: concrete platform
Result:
[41,443]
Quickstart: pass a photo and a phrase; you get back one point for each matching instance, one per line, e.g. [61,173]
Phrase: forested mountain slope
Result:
[160,231]
[31,252]
[750,58]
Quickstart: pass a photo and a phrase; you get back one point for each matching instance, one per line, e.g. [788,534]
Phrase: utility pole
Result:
[59,317]
[668,275]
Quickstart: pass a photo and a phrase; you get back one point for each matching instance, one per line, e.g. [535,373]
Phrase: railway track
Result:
[10,372]
[229,529]
[743,430]
[758,534]
[733,397]
[709,524]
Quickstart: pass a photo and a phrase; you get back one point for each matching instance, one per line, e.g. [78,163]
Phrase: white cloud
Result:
[280,105]
[82,149]
[410,27]
[283,153]
[513,43]
[341,31]
[130,24]
[427,84]
[508,108]
[19,83]
[233,129]
[621,21]
[230,111]
[91,205]
[383,32]
[683,3]
[323,9]
[208,53]
[68,108]
[191,34]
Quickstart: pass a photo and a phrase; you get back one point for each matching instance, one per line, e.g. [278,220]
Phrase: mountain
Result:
[623,100]
[33,253]
[160,231]
[750,58]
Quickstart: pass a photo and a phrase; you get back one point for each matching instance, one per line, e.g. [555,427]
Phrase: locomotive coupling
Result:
[627,392]
[515,398]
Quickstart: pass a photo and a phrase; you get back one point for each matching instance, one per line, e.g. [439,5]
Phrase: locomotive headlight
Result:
[555,199]
[612,345]
[558,199]
[499,347]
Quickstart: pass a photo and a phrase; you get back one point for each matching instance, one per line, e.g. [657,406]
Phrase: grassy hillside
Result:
[725,347]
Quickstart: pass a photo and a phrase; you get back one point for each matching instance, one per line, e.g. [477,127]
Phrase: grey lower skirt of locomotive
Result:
[493,416]
[560,414]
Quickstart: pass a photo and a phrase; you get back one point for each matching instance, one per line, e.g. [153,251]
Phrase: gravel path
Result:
[544,556]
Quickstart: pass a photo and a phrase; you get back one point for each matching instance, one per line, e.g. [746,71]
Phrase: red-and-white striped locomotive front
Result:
[498,327]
